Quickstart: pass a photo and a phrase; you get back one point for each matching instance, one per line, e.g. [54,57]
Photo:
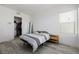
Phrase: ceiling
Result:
[30,8]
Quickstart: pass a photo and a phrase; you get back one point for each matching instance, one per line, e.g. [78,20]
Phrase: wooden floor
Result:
[17,47]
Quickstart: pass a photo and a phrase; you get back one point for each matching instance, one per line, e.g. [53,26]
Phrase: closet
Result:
[17,26]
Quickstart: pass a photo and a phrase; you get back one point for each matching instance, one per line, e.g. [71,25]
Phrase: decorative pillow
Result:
[35,32]
[43,32]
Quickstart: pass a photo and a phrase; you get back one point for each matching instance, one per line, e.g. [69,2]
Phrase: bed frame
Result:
[29,44]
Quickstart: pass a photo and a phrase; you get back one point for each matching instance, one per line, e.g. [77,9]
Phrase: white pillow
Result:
[46,34]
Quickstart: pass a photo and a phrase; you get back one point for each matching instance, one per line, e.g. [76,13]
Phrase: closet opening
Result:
[17,26]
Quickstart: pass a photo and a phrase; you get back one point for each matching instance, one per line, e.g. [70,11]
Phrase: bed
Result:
[35,39]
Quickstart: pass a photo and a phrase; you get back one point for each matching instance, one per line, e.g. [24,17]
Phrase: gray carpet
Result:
[17,47]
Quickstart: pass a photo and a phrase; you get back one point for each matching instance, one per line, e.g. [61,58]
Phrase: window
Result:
[67,22]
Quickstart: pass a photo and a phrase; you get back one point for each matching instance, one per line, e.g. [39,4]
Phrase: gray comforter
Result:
[35,40]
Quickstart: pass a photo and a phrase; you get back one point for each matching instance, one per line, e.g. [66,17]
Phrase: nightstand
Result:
[54,38]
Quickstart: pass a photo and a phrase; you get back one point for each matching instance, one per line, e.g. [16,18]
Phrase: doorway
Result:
[17,26]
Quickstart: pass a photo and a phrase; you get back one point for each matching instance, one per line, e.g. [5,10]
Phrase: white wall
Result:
[25,23]
[46,21]
[78,28]
[49,21]
[7,23]
[78,33]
